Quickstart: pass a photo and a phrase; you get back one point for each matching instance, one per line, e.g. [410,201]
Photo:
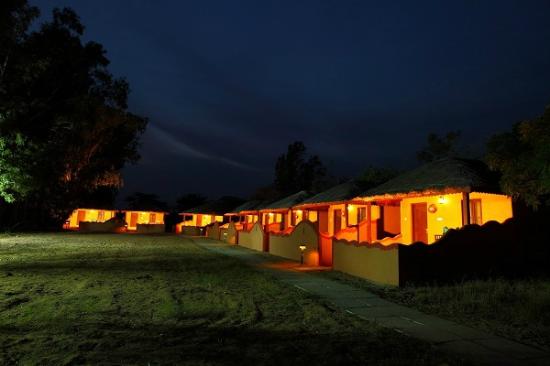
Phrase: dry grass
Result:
[515,309]
[146,300]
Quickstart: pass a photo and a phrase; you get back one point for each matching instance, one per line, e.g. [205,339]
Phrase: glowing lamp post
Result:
[302,249]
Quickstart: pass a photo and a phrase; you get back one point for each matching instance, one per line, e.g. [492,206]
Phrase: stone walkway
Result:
[475,345]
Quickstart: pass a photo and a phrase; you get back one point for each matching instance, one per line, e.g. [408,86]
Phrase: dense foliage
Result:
[295,171]
[522,156]
[439,147]
[65,130]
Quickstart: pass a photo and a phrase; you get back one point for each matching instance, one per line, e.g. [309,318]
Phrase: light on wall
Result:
[302,249]
[442,200]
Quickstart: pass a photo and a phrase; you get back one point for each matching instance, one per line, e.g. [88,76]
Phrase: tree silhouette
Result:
[439,147]
[65,130]
[295,171]
[522,156]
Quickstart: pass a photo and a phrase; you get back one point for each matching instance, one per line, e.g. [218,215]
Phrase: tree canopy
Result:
[65,130]
[439,147]
[522,156]
[296,171]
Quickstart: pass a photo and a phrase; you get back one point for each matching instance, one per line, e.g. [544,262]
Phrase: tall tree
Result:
[439,147]
[522,156]
[65,130]
[295,171]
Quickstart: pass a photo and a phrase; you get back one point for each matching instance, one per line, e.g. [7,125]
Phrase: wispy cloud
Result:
[184,149]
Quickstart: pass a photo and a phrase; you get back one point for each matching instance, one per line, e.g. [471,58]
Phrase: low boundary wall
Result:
[213,231]
[191,230]
[472,252]
[150,228]
[288,245]
[231,234]
[252,239]
[100,227]
[373,262]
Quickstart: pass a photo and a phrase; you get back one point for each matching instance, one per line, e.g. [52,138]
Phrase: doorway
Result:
[420,222]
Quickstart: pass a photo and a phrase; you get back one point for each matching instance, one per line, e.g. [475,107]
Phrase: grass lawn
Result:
[130,299]
[515,309]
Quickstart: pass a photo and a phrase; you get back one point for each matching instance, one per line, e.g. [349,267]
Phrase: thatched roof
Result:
[440,175]
[340,193]
[288,202]
[216,207]
[253,205]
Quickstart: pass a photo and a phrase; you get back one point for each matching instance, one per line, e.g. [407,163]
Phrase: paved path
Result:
[481,347]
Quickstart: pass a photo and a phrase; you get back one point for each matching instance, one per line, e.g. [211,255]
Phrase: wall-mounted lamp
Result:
[442,200]
[302,250]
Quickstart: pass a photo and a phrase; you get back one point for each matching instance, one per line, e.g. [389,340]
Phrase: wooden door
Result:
[420,222]
[133,219]
[322,220]
[81,217]
[337,221]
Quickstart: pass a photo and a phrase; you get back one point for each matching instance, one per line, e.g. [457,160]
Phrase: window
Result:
[101,216]
[152,218]
[475,212]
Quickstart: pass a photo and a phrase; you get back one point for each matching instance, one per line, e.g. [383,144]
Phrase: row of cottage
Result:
[345,228]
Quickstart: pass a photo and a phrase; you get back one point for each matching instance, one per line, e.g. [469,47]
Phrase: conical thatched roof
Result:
[440,175]
[339,193]
[288,202]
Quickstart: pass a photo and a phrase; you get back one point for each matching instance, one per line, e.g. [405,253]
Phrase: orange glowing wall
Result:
[448,213]
[89,215]
[351,216]
[494,207]
[133,218]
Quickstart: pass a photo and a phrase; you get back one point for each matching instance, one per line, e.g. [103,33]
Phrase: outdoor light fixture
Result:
[302,249]
[432,208]
[442,200]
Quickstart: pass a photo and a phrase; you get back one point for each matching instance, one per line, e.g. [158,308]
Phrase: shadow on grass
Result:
[208,344]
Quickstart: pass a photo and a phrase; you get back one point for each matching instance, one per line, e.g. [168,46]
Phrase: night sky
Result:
[227,85]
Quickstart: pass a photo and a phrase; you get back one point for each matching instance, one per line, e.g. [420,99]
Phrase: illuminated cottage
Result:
[422,204]
[197,218]
[336,211]
[280,215]
[144,221]
[245,215]
[88,215]
[103,220]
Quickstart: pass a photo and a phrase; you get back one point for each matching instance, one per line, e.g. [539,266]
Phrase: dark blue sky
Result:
[228,84]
